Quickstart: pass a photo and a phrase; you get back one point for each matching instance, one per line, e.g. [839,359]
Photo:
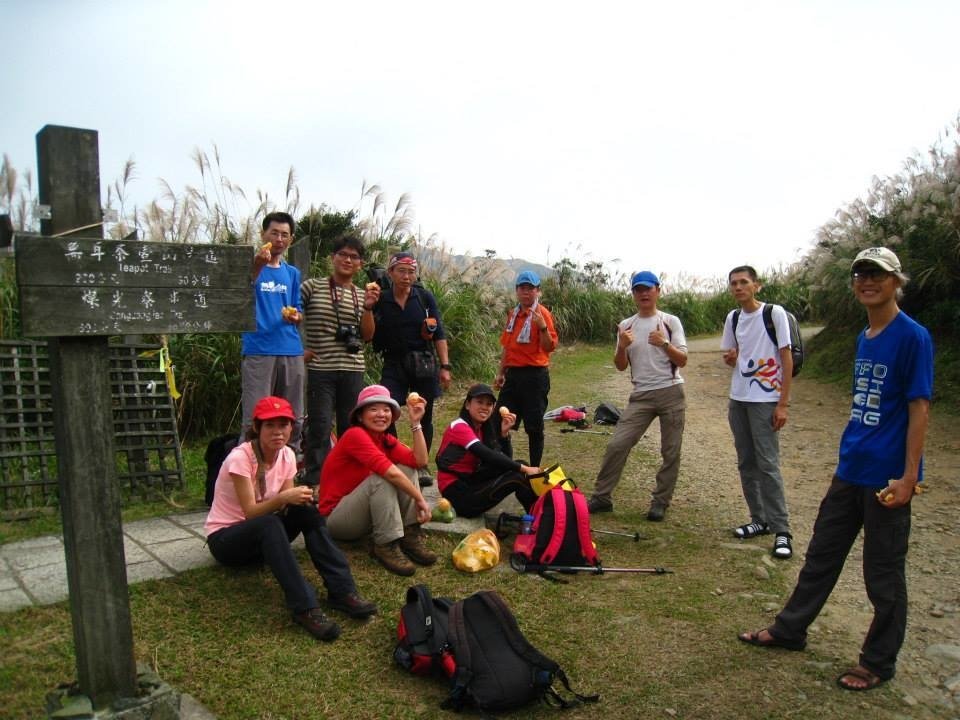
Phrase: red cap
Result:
[272,407]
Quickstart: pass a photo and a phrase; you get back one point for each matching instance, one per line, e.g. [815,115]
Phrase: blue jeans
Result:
[267,539]
[886,532]
[758,459]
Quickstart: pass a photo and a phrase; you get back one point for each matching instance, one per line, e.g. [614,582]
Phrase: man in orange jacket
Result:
[524,377]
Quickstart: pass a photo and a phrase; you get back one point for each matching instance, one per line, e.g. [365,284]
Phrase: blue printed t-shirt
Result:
[890,370]
[273,289]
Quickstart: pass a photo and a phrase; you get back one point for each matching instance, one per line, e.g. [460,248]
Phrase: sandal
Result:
[753,638]
[861,673]
[745,532]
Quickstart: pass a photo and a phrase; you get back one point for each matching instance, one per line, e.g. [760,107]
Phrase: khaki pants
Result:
[669,405]
[375,507]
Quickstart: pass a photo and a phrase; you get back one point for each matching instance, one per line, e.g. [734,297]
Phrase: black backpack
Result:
[606,414]
[496,666]
[796,340]
[217,451]
[422,646]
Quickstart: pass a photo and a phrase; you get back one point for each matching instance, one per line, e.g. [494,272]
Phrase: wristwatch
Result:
[666,344]
[446,366]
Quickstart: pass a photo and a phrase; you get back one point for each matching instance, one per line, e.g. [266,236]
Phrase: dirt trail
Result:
[808,457]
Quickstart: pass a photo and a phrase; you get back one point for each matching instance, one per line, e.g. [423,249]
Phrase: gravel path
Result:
[929,665]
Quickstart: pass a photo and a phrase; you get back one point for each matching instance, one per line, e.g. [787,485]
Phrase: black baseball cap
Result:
[480,389]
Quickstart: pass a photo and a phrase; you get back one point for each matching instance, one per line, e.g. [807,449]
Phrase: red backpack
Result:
[560,533]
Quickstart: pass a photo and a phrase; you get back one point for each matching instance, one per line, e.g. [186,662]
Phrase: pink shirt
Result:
[226,509]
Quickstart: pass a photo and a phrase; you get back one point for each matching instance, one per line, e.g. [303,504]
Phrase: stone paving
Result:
[34,572]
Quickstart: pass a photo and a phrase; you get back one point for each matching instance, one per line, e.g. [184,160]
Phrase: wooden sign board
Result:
[78,287]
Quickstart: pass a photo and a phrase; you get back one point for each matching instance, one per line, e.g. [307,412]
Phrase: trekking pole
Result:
[635,536]
[519,563]
[589,432]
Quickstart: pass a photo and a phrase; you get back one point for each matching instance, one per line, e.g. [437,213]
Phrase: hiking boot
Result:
[599,505]
[745,532]
[352,605]
[782,548]
[392,558]
[424,478]
[413,543]
[656,513]
[317,624]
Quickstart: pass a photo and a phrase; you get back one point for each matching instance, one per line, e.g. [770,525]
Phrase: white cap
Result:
[879,256]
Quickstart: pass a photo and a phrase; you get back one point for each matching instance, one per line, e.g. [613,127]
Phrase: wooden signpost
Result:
[77,289]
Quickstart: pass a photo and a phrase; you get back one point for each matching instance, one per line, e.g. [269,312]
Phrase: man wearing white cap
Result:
[653,345]
[880,465]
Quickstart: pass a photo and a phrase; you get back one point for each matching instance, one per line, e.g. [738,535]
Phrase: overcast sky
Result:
[681,137]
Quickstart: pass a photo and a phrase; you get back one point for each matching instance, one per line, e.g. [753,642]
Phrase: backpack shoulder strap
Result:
[583,527]
[559,525]
[461,650]
[511,631]
[768,324]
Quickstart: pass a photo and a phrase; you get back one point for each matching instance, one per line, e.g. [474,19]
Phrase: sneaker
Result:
[782,549]
[656,513]
[745,532]
[413,544]
[317,624]
[599,505]
[352,605]
[392,558]
[425,478]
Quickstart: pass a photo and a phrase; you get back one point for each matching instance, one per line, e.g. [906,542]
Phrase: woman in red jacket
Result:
[368,485]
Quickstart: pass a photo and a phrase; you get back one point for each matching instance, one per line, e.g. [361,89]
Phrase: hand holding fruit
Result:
[416,406]
[371,295]
[290,314]
[887,496]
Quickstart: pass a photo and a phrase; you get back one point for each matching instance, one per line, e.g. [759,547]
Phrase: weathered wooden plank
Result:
[68,262]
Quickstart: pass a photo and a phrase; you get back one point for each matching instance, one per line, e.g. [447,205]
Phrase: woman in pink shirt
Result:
[257,511]
[368,484]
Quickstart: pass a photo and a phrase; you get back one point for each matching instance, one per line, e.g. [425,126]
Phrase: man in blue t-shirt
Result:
[881,463]
[272,357]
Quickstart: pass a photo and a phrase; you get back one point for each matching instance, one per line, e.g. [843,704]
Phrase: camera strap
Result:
[336,298]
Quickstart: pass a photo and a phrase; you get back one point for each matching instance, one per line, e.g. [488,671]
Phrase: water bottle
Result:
[526,525]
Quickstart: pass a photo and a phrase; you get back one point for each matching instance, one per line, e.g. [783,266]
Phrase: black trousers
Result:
[267,539]
[846,509]
[396,379]
[473,496]
[525,391]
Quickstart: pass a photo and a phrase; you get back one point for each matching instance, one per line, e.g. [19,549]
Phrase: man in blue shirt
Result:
[881,462]
[272,357]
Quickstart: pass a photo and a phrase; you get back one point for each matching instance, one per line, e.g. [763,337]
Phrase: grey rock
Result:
[943,653]
[761,573]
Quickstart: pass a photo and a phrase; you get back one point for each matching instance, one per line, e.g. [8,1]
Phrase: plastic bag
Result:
[478,551]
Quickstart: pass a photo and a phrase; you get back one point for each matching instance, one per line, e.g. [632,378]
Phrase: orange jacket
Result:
[527,354]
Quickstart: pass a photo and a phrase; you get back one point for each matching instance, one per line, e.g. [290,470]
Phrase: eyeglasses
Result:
[352,257]
[870,273]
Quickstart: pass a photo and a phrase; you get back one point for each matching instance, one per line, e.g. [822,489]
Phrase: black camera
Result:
[350,336]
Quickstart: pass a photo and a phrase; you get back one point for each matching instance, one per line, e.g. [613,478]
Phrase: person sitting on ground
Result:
[474,475]
[257,511]
[368,484]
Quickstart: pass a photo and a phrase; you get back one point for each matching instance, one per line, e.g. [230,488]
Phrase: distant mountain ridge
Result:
[500,272]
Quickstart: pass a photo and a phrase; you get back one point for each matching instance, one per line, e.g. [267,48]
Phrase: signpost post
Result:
[78,289]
